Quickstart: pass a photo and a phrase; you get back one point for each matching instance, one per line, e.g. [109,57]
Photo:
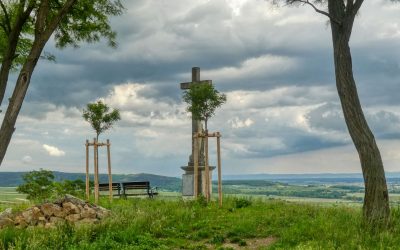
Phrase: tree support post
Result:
[109,170]
[96,172]
[219,168]
[196,137]
[196,166]
[207,168]
[87,171]
[96,146]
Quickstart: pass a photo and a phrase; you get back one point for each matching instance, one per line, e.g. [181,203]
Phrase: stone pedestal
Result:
[188,180]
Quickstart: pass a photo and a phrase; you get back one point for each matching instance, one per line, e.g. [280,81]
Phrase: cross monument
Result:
[197,126]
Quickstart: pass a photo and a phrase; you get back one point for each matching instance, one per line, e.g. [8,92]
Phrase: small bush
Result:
[75,188]
[38,184]
[217,239]
[241,203]
[202,201]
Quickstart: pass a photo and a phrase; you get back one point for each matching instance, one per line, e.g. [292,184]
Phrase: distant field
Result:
[8,195]
[349,193]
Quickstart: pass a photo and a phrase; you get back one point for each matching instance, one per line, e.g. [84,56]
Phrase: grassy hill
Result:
[13,179]
[239,224]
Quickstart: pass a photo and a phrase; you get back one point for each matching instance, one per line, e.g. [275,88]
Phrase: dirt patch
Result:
[255,244]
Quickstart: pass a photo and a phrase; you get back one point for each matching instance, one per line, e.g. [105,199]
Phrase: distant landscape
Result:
[342,188]
[13,179]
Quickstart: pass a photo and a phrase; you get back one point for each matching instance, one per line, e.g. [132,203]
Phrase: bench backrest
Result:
[115,186]
[136,185]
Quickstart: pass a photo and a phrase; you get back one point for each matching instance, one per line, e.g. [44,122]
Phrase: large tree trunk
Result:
[10,54]
[18,96]
[376,200]
[4,72]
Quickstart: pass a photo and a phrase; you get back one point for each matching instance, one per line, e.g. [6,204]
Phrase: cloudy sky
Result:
[274,64]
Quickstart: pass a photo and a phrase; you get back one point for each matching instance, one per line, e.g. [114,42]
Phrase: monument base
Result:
[188,180]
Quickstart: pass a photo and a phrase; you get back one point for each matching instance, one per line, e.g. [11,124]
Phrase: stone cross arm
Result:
[187,85]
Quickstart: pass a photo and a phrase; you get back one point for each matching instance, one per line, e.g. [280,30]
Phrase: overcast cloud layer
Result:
[274,63]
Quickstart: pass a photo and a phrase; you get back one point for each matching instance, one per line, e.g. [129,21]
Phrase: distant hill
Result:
[13,179]
[310,178]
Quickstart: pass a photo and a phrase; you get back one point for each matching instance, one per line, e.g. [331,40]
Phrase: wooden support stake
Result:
[96,173]
[109,170]
[87,170]
[219,169]
[196,166]
[207,168]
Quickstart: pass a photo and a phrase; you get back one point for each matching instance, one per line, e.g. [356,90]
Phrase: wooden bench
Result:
[138,185]
[116,186]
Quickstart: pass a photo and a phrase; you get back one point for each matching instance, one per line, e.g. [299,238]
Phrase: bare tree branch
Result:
[6,16]
[332,18]
[357,6]
[3,26]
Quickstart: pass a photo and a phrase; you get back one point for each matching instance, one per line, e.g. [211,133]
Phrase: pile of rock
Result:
[68,209]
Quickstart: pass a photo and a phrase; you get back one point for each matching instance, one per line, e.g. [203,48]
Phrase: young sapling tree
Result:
[100,117]
[203,100]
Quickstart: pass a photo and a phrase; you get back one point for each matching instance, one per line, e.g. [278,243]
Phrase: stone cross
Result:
[196,125]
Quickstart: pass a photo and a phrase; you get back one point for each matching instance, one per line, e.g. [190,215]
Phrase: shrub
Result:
[38,184]
[75,187]
[241,203]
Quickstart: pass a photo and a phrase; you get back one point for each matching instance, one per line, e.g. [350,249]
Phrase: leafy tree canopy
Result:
[203,100]
[38,185]
[100,117]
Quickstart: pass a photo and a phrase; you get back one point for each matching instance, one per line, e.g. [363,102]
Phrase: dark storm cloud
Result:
[166,45]
[160,42]
[329,117]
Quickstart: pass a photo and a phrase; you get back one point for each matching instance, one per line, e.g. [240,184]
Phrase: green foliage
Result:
[88,21]
[241,202]
[38,185]
[75,188]
[202,100]
[99,116]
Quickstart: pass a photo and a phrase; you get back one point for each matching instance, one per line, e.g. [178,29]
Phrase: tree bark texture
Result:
[376,200]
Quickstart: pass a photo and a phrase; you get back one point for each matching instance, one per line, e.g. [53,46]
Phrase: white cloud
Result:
[27,159]
[254,67]
[236,122]
[53,151]
[139,107]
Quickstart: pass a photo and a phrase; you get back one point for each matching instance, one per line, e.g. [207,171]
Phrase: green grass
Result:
[177,224]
